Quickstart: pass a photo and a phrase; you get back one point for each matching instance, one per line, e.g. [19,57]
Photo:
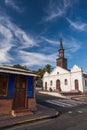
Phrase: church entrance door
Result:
[20,98]
[58,88]
[45,85]
[76,84]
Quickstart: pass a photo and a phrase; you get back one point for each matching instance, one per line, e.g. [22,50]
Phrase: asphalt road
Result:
[61,105]
[73,115]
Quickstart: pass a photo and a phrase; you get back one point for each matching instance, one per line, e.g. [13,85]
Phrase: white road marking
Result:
[65,103]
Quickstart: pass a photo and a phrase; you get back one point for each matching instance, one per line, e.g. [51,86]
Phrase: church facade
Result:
[62,79]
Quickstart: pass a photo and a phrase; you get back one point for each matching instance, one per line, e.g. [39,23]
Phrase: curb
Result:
[30,121]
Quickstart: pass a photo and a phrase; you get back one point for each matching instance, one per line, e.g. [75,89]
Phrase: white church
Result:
[61,79]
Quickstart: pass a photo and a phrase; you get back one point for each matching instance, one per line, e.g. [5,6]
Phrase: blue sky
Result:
[30,32]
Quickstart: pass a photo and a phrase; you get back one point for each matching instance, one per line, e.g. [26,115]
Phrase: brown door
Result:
[76,85]
[58,85]
[45,85]
[20,100]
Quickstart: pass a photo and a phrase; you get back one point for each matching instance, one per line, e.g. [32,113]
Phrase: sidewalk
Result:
[56,94]
[77,97]
[82,98]
[66,95]
[7,121]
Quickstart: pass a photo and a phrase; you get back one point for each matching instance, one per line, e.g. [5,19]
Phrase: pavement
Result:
[56,94]
[8,121]
[73,96]
[42,112]
[82,98]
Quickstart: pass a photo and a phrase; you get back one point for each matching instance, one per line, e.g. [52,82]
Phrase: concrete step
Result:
[21,112]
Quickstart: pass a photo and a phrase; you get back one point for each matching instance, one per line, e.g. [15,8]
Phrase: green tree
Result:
[20,67]
[40,72]
[48,68]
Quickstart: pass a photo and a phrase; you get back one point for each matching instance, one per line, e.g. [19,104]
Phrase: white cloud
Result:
[12,4]
[78,25]
[32,58]
[5,44]
[11,36]
[57,9]
[71,45]
[24,38]
[14,39]
[49,40]
[41,59]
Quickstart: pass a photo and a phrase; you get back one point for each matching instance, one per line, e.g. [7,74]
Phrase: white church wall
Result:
[54,78]
[66,86]
[70,77]
[58,71]
[77,76]
[62,74]
[84,84]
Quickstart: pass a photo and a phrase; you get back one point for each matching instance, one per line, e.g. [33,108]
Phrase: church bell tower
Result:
[61,61]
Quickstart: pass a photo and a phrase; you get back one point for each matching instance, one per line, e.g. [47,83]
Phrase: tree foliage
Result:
[20,67]
[48,68]
[41,71]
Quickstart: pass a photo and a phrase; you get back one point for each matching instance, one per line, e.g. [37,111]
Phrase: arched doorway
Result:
[76,84]
[58,88]
[45,85]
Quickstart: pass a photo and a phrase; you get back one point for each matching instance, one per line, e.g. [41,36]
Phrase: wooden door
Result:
[58,88]
[76,85]
[45,85]
[20,99]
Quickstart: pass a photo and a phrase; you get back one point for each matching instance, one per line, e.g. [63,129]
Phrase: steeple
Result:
[61,50]
[61,61]
[61,45]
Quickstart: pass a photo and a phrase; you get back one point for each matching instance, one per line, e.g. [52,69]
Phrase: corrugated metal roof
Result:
[11,70]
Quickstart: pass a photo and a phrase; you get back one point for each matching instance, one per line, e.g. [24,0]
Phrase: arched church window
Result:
[51,83]
[66,81]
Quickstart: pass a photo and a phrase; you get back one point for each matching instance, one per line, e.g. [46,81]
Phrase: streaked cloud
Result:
[32,58]
[14,41]
[49,40]
[12,38]
[41,59]
[5,44]
[78,25]
[19,46]
[70,43]
[12,4]
[56,9]
[71,46]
